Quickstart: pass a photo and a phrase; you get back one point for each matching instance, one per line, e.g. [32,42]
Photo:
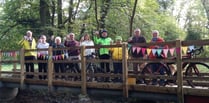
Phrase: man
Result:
[137,38]
[29,43]
[104,52]
[73,53]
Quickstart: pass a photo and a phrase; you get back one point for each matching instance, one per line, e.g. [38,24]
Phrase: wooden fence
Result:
[177,58]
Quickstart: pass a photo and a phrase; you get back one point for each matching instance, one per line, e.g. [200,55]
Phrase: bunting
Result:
[172,51]
[165,51]
[133,49]
[191,47]
[148,51]
[154,51]
[159,51]
[138,49]
[10,54]
[143,51]
[184,49]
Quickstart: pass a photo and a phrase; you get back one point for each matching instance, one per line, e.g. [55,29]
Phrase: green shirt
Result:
[103,41]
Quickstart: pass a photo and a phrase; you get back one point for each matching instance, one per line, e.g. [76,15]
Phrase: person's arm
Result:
[96,39]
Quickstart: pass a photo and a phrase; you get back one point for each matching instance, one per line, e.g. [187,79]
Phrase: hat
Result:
[118,38]
[104,31]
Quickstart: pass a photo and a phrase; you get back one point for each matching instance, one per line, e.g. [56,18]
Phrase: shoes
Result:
[140,81]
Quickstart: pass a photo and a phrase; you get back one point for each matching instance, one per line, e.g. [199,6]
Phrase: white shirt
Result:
[88,43]
[42,46]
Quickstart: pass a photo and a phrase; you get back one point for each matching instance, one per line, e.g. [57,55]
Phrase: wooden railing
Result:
[125,86]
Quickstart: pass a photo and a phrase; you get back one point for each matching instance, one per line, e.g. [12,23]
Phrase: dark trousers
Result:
[117,68]
[42,68]
[59,67]
[105,66]
[157,67]
[29,66]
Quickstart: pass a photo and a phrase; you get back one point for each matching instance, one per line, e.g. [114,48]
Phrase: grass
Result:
[10,67]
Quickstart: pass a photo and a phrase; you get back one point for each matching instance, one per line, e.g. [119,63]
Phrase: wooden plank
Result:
[22,68]
[180,92]
[50,69]
[152,88]
[83,71]
[12,80]
[112,86]
[36,82]
[194,60]
[195,42]
[196,92]
[125,70]
[151,61]
[67,83]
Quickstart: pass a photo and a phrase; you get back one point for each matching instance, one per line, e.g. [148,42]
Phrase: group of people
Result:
[100,38]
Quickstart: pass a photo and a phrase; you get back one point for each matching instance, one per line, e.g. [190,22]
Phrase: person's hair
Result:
[87,35]
[155,31]
[71,34]
[29,32]
[59,38]
[137,29]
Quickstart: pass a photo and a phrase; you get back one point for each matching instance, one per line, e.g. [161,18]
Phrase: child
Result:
[117,54]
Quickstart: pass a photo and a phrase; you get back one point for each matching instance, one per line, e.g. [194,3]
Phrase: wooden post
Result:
[83,71]
[0,63]
[22,67]
[125,70]
[15,64]
[180,92]
[50,69]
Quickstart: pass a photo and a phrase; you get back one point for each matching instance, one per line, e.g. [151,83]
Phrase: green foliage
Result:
[193,35]
[18,16]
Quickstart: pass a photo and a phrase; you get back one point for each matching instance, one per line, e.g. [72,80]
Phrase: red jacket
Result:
[158,40]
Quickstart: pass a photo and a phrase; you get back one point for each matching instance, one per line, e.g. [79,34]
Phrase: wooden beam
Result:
[22,67]
[0,63]
[83,71]
[125,70]
[50,69]
[180,92]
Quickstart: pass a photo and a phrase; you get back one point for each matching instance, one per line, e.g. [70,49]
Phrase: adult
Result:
[137,38]
[58,55]
[104,52]
[155,66]
[51,40]
[29,43]
[88,42]
[42,55]
[73,53]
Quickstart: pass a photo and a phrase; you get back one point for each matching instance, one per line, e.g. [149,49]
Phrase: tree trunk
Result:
[104,11]
[205,4]
[70,15]
[96,15]
[44,13]
[53,12]
[132,17]
[59,13]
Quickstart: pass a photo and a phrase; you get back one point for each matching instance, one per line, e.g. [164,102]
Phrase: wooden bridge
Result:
[180,92]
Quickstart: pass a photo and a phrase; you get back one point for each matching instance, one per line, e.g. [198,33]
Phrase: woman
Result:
[57,55]
[42,55]
[88,42]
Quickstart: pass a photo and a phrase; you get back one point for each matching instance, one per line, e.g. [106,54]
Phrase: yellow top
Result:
[117,53]
[26,45]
